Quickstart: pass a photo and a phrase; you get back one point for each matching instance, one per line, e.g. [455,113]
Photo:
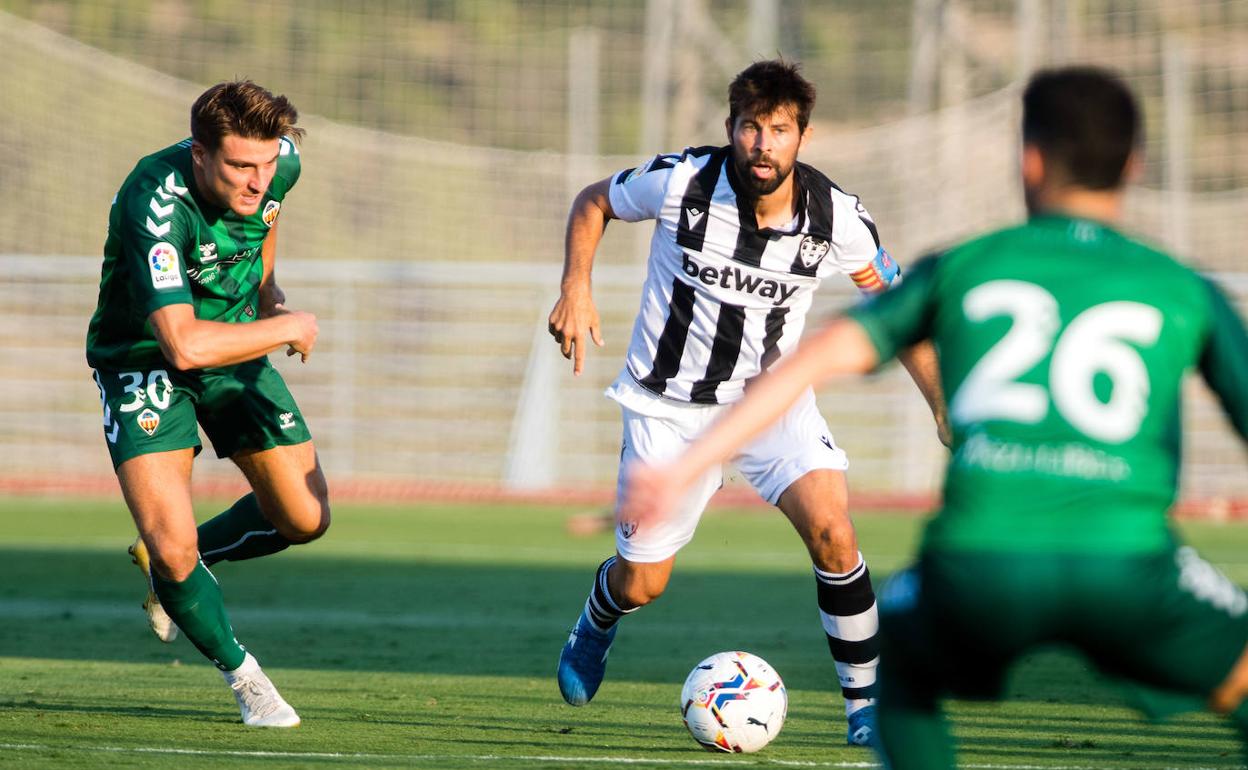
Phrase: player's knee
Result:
[174,561]
[310,524]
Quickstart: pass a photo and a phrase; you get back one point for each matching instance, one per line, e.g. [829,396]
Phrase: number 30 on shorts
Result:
[155,393]
[151,390]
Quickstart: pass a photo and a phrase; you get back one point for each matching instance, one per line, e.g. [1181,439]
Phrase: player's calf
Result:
[1230,694]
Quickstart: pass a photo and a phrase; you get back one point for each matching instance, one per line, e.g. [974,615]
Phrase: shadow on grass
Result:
[488,620]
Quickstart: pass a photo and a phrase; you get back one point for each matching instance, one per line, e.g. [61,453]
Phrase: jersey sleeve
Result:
[1224,360]
[638,193]
[155,233]
[289,166]
[896,319]
[856,248]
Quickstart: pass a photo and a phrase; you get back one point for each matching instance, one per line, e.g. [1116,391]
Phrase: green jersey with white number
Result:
[1063,345]
[168,245]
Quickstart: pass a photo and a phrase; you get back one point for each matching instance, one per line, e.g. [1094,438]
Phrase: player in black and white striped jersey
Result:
[744,235]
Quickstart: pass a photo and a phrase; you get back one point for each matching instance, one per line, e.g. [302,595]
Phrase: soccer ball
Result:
[733,701]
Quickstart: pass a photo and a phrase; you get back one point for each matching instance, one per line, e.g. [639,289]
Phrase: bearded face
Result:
[764,149]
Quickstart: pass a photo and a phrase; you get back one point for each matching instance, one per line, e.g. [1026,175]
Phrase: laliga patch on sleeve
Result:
[878,274]
[162,261]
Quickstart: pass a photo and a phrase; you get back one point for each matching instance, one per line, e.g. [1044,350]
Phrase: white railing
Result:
[443,373]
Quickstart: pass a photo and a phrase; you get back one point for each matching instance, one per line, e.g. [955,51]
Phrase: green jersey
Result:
[168,245]
[1062,345]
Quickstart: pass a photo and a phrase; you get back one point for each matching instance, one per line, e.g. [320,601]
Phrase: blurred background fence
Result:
[446,140]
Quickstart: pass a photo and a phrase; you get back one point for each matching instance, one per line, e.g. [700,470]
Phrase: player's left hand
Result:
[944,432]
[650,493]
[272,300]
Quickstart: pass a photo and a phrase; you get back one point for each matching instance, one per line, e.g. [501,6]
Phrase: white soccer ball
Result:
[733,701]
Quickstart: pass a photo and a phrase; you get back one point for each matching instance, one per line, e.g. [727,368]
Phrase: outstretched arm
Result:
[920,362]
[574,319]
[842,347]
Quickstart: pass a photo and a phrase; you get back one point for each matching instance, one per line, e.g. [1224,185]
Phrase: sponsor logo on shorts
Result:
[271,210]
[162,261]
[149,421]
[827,442]
[286,420]
[628,529]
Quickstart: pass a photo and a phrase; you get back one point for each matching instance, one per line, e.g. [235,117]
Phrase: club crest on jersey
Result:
[812,250]
[271,210]
[162,261]
[149,421]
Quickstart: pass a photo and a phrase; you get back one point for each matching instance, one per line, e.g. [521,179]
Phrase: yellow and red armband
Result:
[878,274]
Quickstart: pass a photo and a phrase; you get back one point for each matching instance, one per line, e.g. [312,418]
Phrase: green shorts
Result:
[953,624]
[247,406]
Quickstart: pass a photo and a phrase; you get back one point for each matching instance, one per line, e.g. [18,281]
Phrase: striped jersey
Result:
[723,298]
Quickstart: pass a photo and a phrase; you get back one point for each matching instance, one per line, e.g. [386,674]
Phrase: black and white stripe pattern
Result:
[852,624]
[725,299]
[601,609]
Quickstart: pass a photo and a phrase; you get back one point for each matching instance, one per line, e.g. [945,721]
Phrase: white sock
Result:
[249,666]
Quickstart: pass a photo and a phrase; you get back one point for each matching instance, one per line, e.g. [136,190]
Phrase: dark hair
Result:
[766,86]
[1085,122]
[241,108]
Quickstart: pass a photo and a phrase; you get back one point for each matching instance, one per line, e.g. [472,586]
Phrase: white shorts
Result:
[657,429]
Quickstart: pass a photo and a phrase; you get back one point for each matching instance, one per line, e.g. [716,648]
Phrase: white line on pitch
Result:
[721,761]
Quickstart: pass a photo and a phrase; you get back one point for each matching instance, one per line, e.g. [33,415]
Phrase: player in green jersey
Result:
[188,311]
[1063,345]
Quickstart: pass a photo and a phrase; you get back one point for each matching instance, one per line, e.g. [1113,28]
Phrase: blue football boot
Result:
[583,661]
[862,727]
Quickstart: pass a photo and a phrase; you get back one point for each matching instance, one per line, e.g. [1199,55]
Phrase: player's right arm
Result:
[1224,360]
[156,233]
[856,343]
[631,195]
[574,319]
[842,347]
[192,343]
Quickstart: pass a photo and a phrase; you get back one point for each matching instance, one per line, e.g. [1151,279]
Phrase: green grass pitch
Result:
[427,635]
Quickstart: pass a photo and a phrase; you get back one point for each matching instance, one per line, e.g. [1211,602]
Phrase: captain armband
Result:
[878,274]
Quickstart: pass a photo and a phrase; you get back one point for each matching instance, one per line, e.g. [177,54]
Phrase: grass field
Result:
[426,636]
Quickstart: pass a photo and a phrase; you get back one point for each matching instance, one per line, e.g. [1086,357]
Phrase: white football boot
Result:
[258,699]
[162,625]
